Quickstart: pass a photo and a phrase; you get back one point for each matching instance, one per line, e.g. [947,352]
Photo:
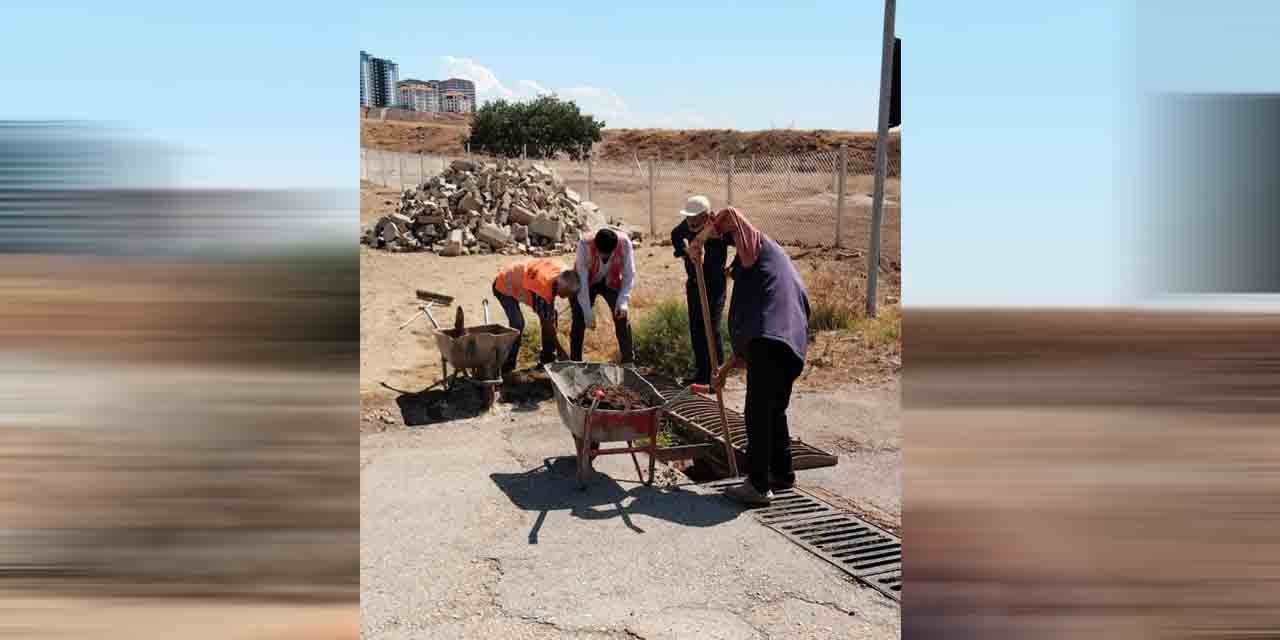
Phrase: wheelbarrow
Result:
[591,426]
[476,353]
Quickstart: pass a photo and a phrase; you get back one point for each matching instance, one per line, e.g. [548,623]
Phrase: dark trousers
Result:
[578,331]
[515,320]
[771,371]
[701,358]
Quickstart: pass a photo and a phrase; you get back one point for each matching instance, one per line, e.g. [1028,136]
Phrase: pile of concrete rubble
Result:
[486,207]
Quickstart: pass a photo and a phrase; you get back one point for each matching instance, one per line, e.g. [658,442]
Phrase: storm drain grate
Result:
[866,552]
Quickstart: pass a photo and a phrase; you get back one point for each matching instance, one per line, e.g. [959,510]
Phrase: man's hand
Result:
[695,252]
[722,375]
[620,314]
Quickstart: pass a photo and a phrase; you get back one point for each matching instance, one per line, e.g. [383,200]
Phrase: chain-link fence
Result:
[793,198]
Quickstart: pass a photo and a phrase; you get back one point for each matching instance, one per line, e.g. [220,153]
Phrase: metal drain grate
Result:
[866,552]
[702,415]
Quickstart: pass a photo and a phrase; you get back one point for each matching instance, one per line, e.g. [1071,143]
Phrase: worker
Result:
[536,283]
[768,329]
[606,267]
[695,214]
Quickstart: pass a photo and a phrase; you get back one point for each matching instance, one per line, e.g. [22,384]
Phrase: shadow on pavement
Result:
[432,406]
[554,487]
[526,390]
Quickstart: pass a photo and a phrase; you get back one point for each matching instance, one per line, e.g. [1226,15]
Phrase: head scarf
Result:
[746,238]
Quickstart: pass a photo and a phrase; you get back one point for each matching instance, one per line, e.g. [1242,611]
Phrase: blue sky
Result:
[251,94]
[743,65]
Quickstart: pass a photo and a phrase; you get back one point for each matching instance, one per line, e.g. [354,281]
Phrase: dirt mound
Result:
[623,144]
[449,137]
[444,137]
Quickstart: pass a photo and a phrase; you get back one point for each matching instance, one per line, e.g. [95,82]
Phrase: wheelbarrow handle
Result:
[485,303]
[426,308]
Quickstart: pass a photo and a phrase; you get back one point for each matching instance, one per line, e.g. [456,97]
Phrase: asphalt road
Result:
[474,528]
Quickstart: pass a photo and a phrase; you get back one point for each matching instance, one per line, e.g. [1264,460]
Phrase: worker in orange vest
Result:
[536,283]
[606,267]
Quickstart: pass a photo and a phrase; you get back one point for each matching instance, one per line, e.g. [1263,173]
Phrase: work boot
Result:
[747,494]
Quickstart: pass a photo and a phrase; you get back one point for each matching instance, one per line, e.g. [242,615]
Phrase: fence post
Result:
[524,152]
[728,182]
[716,171]
[468,148]
[653,212]
[882,156]
[752,183]
[400,169]
[589,177]
[840,183]
[686,172]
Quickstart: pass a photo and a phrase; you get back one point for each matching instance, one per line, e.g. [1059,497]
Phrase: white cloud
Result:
[601,103]
[531,89]
[487,84]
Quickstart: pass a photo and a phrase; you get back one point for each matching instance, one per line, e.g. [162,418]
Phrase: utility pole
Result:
[882,156]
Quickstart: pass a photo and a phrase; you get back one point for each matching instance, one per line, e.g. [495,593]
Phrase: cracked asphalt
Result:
[474,528]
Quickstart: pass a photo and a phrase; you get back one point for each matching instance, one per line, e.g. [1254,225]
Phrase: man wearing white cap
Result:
[695,214]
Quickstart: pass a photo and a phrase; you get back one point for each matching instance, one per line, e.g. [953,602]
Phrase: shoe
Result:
[776,482]
[747,494]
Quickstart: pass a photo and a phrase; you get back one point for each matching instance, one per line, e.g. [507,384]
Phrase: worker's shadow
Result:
[554,487]
[525,391]
[434,405]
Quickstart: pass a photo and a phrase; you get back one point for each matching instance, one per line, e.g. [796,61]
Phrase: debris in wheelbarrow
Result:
[612,398]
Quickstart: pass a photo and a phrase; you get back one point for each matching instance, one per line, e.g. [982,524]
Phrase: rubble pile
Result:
[486,207]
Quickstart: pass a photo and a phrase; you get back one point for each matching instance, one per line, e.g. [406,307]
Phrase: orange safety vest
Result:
[524,280]
[613,279]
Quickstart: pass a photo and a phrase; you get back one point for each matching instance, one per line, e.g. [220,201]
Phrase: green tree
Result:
[542,128]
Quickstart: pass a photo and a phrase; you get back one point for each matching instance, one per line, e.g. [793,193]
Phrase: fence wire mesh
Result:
[792,198]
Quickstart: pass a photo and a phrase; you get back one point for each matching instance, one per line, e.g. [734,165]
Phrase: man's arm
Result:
[584,287]
[678,235]
[628,274]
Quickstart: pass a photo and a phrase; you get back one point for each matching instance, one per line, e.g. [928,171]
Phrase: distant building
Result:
[466,87]
[457,102]
[378,80]
[419,95]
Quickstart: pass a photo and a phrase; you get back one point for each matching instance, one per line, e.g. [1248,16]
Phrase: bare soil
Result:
[449,137]
[393,360]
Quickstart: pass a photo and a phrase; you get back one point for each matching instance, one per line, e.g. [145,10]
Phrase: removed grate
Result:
[866,552]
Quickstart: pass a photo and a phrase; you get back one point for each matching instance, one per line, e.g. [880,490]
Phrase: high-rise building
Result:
[378,80]
[465,87]
[418,95]
[456,102]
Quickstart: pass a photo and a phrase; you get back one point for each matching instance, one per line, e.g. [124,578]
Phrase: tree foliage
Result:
[540,128]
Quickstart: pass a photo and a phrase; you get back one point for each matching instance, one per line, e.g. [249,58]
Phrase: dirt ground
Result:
[449,137]
[393,360]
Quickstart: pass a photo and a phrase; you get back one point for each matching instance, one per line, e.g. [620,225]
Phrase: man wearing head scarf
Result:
[769,330]
[697,211]
[606,267]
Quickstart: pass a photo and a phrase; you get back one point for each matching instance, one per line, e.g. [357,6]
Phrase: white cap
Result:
[696,206]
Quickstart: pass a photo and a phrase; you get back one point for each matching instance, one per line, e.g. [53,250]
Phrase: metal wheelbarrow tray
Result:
[590,427]
[478,351]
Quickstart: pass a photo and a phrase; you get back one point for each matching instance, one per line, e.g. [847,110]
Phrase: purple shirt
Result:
[769,301]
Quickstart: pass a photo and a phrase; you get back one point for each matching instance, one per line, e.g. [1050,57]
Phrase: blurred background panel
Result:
[1091,339]
[178,337]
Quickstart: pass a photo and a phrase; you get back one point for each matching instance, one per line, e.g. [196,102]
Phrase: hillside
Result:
[448,137]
